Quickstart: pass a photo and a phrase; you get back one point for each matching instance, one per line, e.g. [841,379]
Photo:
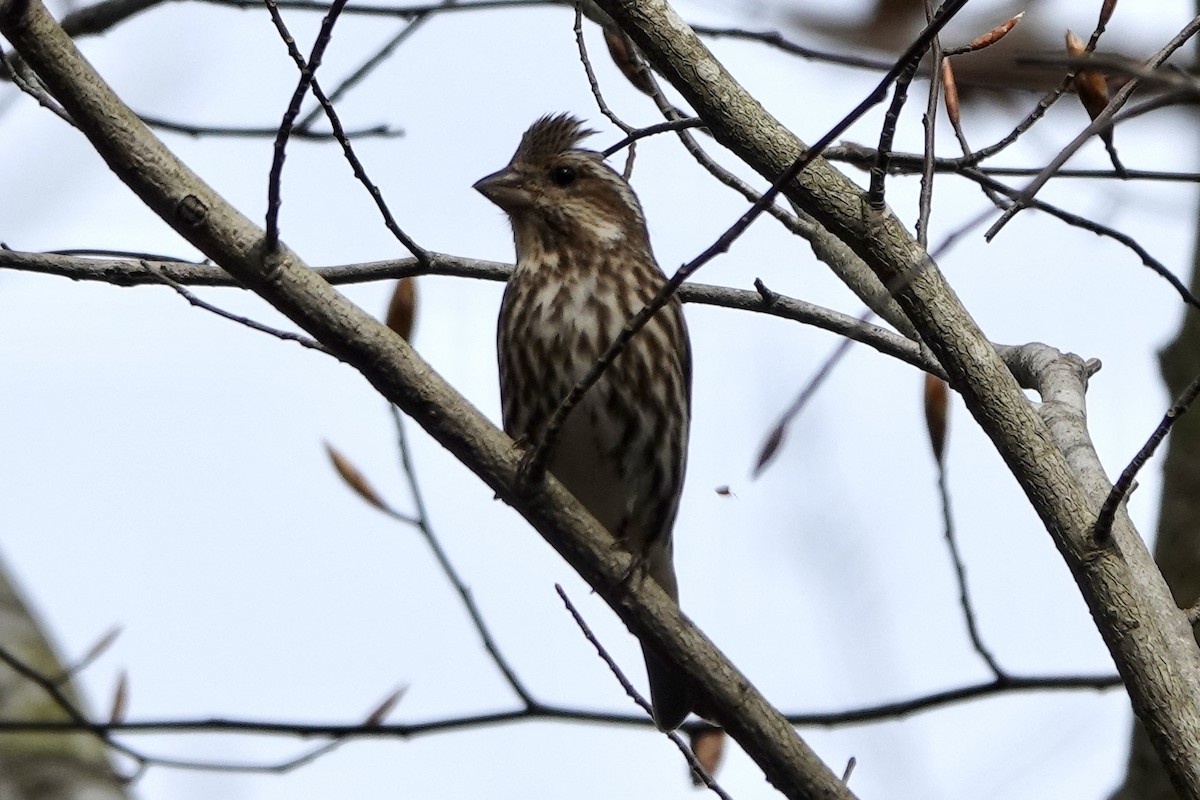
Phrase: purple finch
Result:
[584,268]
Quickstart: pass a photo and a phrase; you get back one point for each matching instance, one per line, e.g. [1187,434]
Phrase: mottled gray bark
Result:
[1177,548]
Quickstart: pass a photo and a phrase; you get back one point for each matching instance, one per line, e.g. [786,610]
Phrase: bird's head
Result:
[559,195]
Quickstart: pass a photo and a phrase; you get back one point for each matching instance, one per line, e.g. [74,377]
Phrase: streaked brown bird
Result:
[584,268]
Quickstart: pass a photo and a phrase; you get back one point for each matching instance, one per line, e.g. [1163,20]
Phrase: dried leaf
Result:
[1106,11]
[1090,84]
[628,60]
[937,400]
[402,308]
[96,650]
[1075,45]
[116,714]
[381,711]
[770,447]
[708,745]
[354,479]
[995,34]
[950,92]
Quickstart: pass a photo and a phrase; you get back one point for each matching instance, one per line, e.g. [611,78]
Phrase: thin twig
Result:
[913,163]
[697,768]
[287,336]
[1102,121]
[25,80]
[133,273]
[769,38]
[1043,104]
[403,12]
[1022,127]
[925,199]
[984,177]
[426,528]
[58,696]
[132,254]
[653,130]
[674,117]
[360,173]
[887,135]
[1164,77]
[802,227]
[308,77]
[363,70]
[594,84]
[779,42]
[960,574]
[228,131]
[880,712]
[340,134]
[903,708]
[1108,512]
[1097,228]
[535,463]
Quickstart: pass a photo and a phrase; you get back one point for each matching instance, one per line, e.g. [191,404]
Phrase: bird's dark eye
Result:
[563,176]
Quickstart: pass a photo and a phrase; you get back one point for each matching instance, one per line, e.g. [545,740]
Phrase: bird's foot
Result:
[531,470]
[638,566]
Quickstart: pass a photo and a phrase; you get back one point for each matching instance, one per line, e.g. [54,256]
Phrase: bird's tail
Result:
[671,694]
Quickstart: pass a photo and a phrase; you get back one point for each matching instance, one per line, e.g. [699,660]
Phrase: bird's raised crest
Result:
[551,135]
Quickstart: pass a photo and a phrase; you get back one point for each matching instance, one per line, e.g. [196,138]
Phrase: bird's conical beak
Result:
[506,189]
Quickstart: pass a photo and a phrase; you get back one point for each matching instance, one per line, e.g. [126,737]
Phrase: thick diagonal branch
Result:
[1146,633]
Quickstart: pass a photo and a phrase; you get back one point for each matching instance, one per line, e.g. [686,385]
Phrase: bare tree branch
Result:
[134,272]
[697,768]
[181,198]
[1146,633]
[880,712]
[1103,121]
